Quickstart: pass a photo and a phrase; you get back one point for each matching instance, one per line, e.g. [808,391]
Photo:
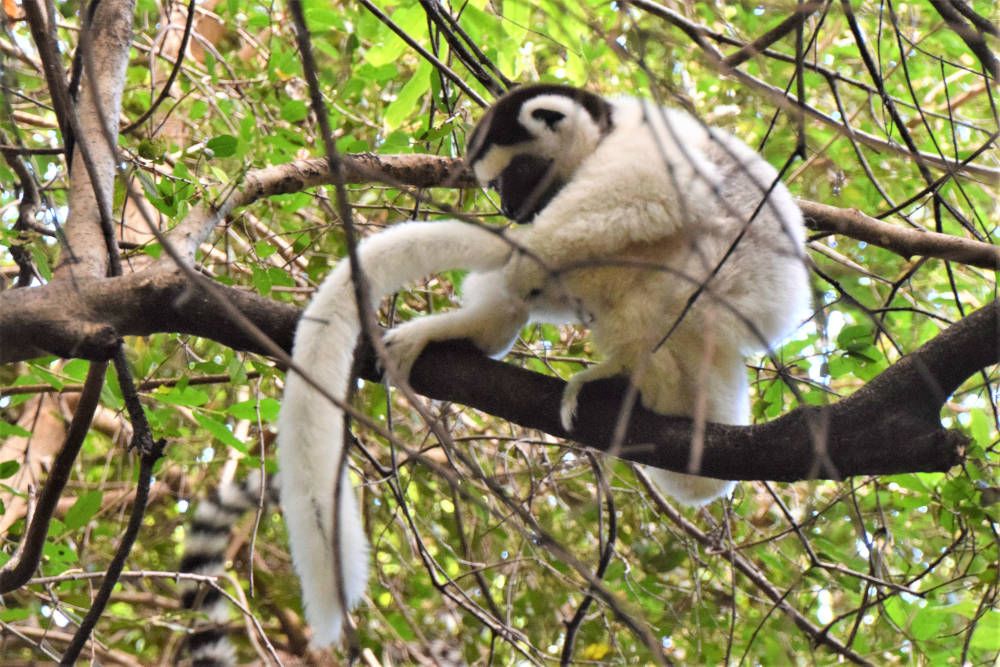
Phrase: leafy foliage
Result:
[901,569]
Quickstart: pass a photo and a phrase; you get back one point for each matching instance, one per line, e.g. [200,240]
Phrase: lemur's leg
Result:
[608,368]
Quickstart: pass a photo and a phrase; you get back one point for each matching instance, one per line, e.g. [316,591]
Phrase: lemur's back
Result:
[698,194]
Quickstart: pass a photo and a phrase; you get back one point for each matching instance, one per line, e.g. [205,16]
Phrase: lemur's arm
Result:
[490,317]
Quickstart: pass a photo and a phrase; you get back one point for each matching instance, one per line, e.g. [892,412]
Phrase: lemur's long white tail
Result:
[311,428]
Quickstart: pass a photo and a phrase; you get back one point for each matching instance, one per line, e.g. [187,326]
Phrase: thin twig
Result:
[117,564]
[220,378]
[607,551]
[794,22]
[751,572]
[427,55]
[20,567]
[174,71]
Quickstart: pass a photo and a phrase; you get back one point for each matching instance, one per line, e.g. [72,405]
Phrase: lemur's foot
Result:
[567,408]
[402,346]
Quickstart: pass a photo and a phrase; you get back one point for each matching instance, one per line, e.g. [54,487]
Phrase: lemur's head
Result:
[530,142]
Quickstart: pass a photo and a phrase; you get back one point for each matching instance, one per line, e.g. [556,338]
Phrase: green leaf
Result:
[321,19]
[185,396]
[261,280]
[8,429]
[408,98]
[45,375]
[9,468]
[83,509]
[59,557]
[856,336]
[41,261]
[280,277]
[987,635]
[198,110]
[220,432]
[264,249]
[927,623]
[389,47]
[294,111]
[897,611]
[76,369]
[223,145]
[11,614]
[516,18]
[380,74]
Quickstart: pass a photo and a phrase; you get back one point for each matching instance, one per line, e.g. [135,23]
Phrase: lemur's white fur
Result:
[648,211]
[310,427]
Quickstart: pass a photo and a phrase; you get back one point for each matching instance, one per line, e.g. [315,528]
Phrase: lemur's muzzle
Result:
[526,186]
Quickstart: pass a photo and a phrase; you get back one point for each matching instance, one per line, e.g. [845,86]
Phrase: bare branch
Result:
[798,17]
[751,572]
[972,37]
[421,171]
[19,569]
[901,240]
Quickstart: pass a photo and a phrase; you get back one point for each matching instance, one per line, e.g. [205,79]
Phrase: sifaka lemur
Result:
[628,209]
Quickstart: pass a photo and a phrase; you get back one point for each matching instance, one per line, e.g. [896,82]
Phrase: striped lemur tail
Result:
[311,428]
[204,553]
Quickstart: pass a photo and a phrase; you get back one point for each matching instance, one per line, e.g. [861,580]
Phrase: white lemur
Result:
[629,208]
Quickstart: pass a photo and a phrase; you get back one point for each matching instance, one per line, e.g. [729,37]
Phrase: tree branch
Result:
[752,572]
[74,320]
[428,171]
[972,37]
[798,17]
[891,425]
[699,34]
[901,240]
[419,171]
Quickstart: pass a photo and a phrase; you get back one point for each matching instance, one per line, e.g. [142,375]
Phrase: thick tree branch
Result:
[93,122]
[74,320]
[427,171]
[892,425]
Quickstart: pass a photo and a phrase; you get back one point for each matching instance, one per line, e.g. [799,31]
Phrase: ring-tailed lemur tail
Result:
[205,553]
[310,427]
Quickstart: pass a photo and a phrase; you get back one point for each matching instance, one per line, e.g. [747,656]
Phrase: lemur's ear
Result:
[550,117]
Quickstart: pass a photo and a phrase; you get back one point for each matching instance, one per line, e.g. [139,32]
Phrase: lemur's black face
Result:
[526,186]
[529,143]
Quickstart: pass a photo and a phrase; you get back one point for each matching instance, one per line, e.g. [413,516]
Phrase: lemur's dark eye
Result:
[549,116]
